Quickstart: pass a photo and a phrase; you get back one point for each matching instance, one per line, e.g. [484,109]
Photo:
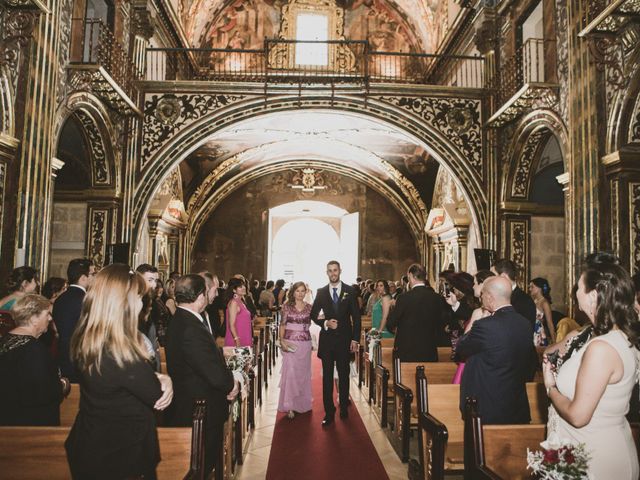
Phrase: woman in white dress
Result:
[591,391]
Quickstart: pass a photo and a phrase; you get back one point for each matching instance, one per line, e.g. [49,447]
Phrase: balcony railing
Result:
[314,62]
[527,66]
[98,46]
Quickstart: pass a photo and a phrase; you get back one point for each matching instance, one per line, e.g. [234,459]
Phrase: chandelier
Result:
[308,180]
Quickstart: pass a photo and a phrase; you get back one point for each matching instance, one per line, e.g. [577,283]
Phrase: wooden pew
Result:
[499,451]
[34,453]
[444,354]
[405,381]
[70,406]
[383,390]
[441,428]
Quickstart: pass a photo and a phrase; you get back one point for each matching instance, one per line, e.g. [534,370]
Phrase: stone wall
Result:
[548,256]
[234,239]
[68,237]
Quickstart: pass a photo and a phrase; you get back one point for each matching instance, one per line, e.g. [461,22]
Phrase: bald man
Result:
[497,351]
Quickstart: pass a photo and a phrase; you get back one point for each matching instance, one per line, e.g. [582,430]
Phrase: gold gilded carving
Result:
[16,28]
[408,188]
[519,247]
[3,175]
[97,235]
[634,222]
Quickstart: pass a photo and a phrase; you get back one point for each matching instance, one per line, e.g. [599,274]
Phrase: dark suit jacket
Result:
[348,315]
[198,370]
[497,350]
[415,320]
[66,313]
[524,305]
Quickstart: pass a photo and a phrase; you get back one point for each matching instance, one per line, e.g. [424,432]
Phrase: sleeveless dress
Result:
[376,319]
[295,374]
[243,326]
[607,436]
[9,304]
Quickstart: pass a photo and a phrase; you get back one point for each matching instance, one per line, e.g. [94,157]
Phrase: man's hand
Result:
[166,385]
[451,299]
[231,396]
[354,346]
[332,324]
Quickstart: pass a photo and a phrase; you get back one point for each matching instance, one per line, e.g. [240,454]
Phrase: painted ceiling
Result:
[389,25]
[339,138]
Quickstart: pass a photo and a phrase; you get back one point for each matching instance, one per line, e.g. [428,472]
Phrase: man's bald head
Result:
[496,293]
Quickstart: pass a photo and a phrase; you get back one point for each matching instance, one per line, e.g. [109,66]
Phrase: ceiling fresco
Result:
[389,25]
[356,142]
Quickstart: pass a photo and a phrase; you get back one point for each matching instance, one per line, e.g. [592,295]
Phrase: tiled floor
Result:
[257,457]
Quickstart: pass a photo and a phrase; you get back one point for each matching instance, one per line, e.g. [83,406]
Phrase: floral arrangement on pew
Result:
[559,460]
[240,361]
[373,337]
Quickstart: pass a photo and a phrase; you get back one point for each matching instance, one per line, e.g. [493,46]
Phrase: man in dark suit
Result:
[66,311]
[520,300]
[497,351]
[416,319]
[339,336]
[197,367]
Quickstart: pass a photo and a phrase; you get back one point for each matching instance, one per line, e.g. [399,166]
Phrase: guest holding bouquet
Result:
[590,394]
[295,376]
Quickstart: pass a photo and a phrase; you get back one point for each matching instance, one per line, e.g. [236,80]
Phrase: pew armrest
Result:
[432,455]
[196,467]
[404,398]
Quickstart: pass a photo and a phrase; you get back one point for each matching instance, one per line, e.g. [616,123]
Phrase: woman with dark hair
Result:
[53,288]
[477,314]
[381,308]
[278,292]
[544,331]
[239,332]
[267,301]
[22,280]
[590,394]
[295,341]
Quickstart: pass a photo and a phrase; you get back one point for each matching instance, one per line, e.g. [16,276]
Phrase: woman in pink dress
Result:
[478,313]
[295,340]
[239,331]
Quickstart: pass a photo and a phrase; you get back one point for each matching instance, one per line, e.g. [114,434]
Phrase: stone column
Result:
[569,276]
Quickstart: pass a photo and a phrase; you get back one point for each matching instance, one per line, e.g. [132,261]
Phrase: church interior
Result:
[267,137]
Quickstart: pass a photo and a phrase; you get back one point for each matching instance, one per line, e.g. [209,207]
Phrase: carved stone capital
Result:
[486,30]
[142,24]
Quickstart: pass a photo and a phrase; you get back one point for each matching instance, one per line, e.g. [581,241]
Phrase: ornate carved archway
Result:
[448,128]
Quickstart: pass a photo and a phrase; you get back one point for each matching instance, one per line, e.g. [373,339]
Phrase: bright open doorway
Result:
[305,235]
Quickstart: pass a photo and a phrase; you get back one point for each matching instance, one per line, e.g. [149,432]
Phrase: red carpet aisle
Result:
[303,449]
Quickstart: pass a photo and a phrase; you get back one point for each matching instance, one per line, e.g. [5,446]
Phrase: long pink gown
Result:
[295,375]
[243,326]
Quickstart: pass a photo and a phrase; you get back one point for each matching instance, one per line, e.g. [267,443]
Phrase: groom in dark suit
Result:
[339,336]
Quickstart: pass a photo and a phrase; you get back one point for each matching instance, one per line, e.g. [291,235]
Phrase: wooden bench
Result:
[405,382]
[70,406]
[383,390]
[441,428]
[34,453]
[444,354]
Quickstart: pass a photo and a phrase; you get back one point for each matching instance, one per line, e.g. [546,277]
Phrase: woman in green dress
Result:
[381,308]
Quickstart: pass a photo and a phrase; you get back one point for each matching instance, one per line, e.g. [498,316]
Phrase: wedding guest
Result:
[519,299]
[497,352]
[114,434]
[169,296]
[590,394]
[211,314]
[477,314]
[295,340]
[53,288]
[544,332]
[381,308]
[31,387]
[255,290]
[197,367]
[248,298]
[162,313]
[66,311]
[372,298]
[143,320]
[267,300]
[278,292]
[239,331]
[22,281]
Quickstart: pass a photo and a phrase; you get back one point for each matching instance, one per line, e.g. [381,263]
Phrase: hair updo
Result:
[543,285]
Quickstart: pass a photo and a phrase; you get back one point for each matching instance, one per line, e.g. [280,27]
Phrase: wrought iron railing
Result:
[526,66]
[98,46]
[315,62]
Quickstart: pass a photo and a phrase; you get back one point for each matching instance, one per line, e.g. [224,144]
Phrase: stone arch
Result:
[523,154]
[99,134]
[411,115]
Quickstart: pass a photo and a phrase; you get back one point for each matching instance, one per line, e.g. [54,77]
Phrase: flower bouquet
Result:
[559,460]
[240,361]
[373,337]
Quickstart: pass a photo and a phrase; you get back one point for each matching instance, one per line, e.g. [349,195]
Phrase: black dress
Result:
[114,435]
[31,388]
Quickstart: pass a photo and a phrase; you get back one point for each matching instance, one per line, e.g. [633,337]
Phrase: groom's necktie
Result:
[335,295]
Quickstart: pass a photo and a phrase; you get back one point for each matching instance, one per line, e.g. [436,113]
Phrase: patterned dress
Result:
[295,376]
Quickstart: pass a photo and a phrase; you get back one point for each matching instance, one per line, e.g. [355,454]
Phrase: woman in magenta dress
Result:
[239,330]
[295,340]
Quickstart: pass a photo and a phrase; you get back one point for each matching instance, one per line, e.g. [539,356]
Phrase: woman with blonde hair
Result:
[295,375]
[114,434]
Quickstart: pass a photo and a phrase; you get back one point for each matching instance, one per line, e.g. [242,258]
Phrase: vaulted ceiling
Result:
[389,25]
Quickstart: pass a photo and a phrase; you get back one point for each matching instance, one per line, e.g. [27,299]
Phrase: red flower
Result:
[569,458]
[551,456]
